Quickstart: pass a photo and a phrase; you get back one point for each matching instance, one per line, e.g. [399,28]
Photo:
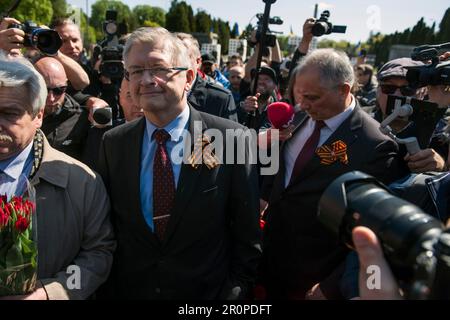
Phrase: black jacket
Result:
[210,98]
[212,243]
[67,130]
[298,250]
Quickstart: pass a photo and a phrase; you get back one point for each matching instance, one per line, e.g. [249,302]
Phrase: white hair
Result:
[172,46]
[20,73]
[334,67]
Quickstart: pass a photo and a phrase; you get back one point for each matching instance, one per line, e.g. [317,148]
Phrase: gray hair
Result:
[192,45]
[334,67]
[19,72]
[155,36]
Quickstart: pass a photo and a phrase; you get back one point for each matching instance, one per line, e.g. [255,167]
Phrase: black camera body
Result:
[433,74]
[110,49]
[270,39]
[414,243]
[323,26]
[47,41]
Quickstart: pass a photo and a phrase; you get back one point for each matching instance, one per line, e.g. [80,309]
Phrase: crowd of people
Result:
[112,200]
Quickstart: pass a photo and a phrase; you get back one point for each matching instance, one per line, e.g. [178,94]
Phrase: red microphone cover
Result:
[280,114]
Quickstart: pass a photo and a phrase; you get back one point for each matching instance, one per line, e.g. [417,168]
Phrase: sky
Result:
[360,16]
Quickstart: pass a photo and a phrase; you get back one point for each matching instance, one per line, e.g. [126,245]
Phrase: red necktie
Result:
[308,150]
[163,184]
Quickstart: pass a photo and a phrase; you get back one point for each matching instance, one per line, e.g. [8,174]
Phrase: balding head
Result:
[237,73]
[50,68]
[56,80]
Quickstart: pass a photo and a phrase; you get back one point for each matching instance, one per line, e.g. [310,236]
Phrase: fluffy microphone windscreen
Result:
[280,114]
[102,116]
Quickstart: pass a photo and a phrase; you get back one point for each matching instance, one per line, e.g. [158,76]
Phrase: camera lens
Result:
[319,29]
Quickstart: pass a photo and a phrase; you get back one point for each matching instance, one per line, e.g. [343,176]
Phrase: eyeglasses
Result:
[405,90]
[159,72]
[57,91]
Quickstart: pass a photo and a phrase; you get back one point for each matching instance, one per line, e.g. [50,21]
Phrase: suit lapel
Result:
[344,132]
[188,178]
[135,140]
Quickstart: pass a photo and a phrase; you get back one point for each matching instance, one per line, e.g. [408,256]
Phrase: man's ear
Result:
[345,89]
[39,118]
[190,78]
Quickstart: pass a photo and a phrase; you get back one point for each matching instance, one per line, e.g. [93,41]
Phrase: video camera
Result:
[433,74]
[47,41]
[110,49]
[271,36]
[414,243]
[323,26]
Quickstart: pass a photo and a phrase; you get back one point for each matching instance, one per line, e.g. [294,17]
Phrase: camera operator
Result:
[266,93]
[73,47]
[11,40]
[392,81]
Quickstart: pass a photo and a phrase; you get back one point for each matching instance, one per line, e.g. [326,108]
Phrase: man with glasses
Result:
[392,81]
[184,231]
[66,123]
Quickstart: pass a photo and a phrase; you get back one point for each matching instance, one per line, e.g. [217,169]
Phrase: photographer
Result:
[303,47]
[11,40]
[91,96]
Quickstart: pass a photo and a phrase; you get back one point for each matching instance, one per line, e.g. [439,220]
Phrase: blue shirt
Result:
[14,171]
[177,130]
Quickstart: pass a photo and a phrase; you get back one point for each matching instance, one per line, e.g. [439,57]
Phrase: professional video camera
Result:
[323,26]
[110,49]
[271,36]
[434,73]
[414,243]
[47,41]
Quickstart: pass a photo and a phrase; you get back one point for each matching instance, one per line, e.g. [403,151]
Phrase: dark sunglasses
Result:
[58,90]
[390,89]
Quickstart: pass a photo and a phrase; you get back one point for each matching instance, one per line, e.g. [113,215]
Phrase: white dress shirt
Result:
[297,142]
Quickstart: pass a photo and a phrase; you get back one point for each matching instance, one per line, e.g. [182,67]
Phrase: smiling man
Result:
[183,232]
[332,136]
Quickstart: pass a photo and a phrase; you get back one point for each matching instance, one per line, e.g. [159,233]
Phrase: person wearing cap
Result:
[209,67]
[392,81]
[367,85]
[265,94]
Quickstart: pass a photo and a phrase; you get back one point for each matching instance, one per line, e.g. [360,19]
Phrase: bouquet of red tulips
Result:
[18,249]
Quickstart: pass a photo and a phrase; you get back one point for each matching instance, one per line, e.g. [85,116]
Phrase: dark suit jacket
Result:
[212,99]
[213,241]
[298,251]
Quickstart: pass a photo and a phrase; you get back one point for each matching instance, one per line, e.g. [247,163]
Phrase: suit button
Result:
[158,290]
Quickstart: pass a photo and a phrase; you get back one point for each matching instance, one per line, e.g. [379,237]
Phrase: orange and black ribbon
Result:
[330,154]
[203,151]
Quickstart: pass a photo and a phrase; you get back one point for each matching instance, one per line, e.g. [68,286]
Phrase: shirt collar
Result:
[334,122]
[175,128]
[14,166]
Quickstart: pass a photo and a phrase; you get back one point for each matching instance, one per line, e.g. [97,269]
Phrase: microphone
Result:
[280,114]
[102,116]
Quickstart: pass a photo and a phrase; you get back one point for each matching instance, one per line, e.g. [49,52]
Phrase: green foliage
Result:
[147,16]
[40,11]
[98,11]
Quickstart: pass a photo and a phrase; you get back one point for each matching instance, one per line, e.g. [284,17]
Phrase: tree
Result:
[224,35]
[444,28]
[203,22]
[98,11]
[146,15]
[235,31]
[60,9]
[177,19]
[40,11]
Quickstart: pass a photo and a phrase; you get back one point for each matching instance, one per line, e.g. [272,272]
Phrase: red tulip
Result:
[21,223]
[4,217]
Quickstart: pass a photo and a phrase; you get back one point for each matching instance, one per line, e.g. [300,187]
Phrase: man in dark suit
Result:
[206,95]
[184,231]
[332,136]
